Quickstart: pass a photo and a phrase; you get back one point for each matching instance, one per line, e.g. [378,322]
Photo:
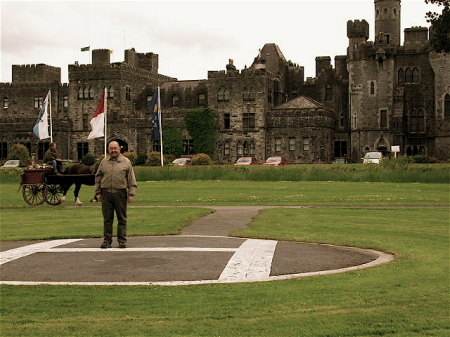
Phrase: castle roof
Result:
[302,102]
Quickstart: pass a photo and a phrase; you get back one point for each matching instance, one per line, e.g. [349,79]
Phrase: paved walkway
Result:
[203,253]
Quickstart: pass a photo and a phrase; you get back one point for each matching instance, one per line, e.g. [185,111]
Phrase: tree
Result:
[440,26]
[20,152]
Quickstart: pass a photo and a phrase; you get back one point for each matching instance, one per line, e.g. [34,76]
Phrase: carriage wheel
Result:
[54,193]
[34,195]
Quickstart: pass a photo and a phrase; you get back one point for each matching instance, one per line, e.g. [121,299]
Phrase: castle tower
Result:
[387,22]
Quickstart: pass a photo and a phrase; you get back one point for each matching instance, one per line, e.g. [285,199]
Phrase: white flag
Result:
[41,127]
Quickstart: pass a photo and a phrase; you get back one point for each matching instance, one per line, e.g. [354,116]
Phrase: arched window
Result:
[421,121]
[401,76]
[80,93]
[329,92]
[91,93]
[110,92]
[240,149]
[86,93]
[408,75]
[175,100]
[372,88]
[223,95]
[447,105]
[248,94]
[414,123]
[415,75]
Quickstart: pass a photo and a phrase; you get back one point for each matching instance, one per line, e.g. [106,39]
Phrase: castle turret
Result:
[101,57]
[387,22]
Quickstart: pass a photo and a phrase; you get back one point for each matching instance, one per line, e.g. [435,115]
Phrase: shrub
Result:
[153,159]
[88,159]
[141,159]
[131,156]
[201,159]
[20,152]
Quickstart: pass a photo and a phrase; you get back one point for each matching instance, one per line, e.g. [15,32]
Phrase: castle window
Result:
[86,92]
[226,148]
[91,93]
[383,118]
[408,75]
[251,148]
[65,101]
[240,149]
[175,101]
[417,121]
[85,122]
[3,150]
[248,94]
[340,148]
[306,143]
[421,121]
[128,93]
[223,95]
[201,100]
[80,93]
[401,76]
[329,92]
[226,121]
[447,105]
[277,144]
[372,88]
[415,75]
[5,103]
[292,142]
[188,147]
[38,101]
[110,92]
[82,149]
[248,120]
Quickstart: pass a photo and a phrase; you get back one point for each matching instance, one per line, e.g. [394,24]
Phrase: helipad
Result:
[196,257]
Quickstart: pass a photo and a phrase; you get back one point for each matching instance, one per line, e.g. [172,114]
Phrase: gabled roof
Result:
[302,102]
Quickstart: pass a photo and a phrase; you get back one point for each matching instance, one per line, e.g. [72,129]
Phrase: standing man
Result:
[51,157]
[115,185]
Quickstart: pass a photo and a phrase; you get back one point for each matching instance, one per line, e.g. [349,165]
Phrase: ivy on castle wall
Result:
[200,124]
[173,141]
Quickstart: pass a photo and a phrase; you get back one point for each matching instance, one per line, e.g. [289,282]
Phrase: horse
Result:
[78,174]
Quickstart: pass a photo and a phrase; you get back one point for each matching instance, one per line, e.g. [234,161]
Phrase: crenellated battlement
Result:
[358,29]
[35,73]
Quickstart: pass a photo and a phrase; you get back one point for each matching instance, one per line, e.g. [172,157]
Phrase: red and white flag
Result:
[98,121]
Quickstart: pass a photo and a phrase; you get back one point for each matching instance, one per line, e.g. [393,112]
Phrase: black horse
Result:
[78,174]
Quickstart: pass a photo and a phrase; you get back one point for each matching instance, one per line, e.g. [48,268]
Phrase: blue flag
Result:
[153,105]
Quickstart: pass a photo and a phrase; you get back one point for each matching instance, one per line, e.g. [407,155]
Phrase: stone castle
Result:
[380,94]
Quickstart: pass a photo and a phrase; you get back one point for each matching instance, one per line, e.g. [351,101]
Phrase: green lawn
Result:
[408,297]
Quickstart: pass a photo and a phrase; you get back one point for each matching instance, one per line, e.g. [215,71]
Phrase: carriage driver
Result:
[115,185]
[51,157]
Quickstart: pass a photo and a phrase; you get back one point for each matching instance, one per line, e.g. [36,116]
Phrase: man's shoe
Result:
[105,245]
[122,245]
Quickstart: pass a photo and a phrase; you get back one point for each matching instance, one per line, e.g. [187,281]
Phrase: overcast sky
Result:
[190,37]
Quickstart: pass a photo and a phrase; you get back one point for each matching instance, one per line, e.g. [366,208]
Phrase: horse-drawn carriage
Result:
[41,185]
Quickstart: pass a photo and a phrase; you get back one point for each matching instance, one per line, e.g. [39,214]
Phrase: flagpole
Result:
[106,108]
[160,127]
[50,112]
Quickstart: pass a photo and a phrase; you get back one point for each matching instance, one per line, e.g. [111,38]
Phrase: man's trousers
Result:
[115,202]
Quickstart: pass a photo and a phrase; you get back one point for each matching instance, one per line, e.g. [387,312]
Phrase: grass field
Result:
[408,297]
